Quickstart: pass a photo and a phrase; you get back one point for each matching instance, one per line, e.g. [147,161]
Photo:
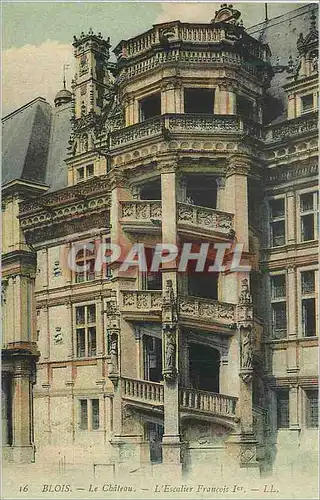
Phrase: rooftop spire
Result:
[65,67]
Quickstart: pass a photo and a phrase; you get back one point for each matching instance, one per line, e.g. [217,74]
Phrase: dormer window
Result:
[84,173]
[307,103]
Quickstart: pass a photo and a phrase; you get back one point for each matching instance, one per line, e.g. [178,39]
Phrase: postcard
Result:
[160,250]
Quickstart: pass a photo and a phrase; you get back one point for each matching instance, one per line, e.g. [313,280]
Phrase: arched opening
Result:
[204,365]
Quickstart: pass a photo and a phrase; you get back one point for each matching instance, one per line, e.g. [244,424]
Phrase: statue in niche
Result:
[314,61]
[113,355]
[246,350]
[170,351]
[83,109]
[245,296]
[169,293]
[85,142]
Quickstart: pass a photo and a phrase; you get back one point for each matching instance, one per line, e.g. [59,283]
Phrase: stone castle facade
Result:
[198,133]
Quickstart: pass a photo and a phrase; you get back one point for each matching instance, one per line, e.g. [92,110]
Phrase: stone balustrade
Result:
[140,210]
[294,127]
[209,402]
[208,218]
[142,390]
[196,308]
[141,300]
[201,34]
[184,123]
[133,133]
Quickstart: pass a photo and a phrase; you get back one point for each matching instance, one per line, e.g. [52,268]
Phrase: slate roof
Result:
[34,144]
[281,34]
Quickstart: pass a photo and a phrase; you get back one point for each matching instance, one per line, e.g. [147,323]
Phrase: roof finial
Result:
[65,67]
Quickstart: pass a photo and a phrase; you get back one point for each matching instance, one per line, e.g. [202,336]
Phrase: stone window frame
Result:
[86,410]
[272,220]
[85,326]
[88,275]
[307,421]
[302,213]
[315,104]
[286,391]
[311,295]
[87,172]
[277,300]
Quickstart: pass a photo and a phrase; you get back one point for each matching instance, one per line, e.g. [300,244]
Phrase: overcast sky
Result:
[37,36]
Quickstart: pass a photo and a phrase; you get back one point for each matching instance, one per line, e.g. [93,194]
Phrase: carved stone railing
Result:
[196,308]
[207,218]
[140,210]
[141,300]
[294,127]
[208,402]
[198,34]
[142,390]
[149,128]
[65,196]
[185,123]
[211,123]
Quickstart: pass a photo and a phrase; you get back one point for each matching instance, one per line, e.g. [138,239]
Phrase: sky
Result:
[37,36]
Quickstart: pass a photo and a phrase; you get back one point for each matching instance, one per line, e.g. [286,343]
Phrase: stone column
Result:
[294,407]
[22,447]
[292,302]
[4,410]
[291,218]
[221,184]
[171,342]
[225,99]
[236,196]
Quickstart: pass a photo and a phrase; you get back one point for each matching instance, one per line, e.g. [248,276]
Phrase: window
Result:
[283,409]
[86,331]
[278,306]
[199,101]
[150,106]
[312,405]
[309,216]
[308,303]
[277,222]
[89,414]
[278,286]
[307,103]
[85,172]
[85,259]
[245,107]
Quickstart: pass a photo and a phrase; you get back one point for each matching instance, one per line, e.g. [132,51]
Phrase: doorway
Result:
[204,365]
[154,436]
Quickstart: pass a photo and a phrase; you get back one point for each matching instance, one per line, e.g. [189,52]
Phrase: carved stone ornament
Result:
[170,371]
[169,330]
[246,354]
[226,14]
[57,338]
[113,364]
[4,286]
[245,295]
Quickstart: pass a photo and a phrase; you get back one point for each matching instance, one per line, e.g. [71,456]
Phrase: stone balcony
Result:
[303,125]
[209,314]
[140,304]
[193,311]
[146,215]
[145,394]
[170,125]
